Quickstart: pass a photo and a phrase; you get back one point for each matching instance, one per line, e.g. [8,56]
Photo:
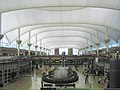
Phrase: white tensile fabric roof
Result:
[61,23]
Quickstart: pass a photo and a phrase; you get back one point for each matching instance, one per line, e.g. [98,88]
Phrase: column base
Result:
[29,44]
[19,41]
[36,46]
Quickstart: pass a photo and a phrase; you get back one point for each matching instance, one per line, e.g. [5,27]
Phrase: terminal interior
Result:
[59,45]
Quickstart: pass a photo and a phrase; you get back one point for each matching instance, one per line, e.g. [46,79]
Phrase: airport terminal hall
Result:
[59,44]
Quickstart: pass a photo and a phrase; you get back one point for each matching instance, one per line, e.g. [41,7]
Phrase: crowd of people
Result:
[97,72]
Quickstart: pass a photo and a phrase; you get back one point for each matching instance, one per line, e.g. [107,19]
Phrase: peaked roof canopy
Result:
[61,23]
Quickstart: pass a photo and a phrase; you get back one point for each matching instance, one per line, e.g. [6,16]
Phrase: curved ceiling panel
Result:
[64,39]
[66,46]
[60,34]
[38,30]
[101,30]
[30,17]
[62,42]
[65,32]
[7,5]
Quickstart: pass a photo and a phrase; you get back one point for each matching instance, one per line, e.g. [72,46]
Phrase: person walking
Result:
[86,79]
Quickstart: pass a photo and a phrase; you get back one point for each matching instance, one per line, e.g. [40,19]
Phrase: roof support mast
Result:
[18,42]
[29,45]
[36,46]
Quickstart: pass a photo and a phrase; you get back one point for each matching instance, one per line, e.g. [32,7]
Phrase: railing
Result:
[79,89]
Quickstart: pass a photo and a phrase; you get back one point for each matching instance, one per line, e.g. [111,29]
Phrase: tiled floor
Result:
[33,82]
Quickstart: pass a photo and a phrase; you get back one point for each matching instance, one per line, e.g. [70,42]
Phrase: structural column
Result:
[86,50]
[40,47]
[70,51]
[97,46]
[79,52]
[87,47]
[97,43]
[56,51]
[0,23]
[44,50]
[29,45]
[36,46]
[40,50]
[18,42]
[107,41]
[47,50]
[91,44]
[1,36]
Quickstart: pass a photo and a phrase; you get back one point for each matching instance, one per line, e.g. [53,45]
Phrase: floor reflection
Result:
[33,82]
